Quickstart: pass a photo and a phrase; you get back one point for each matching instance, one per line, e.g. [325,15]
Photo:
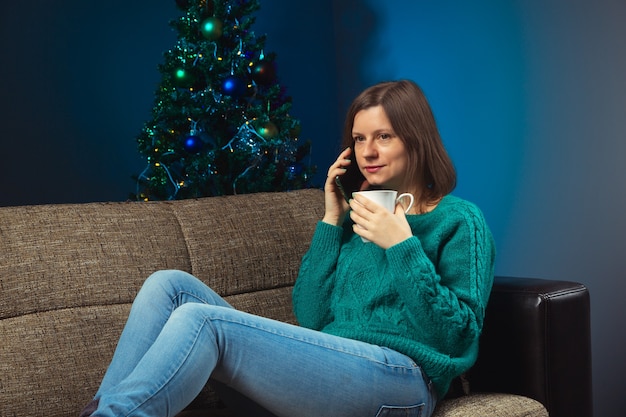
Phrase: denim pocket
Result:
[400,411]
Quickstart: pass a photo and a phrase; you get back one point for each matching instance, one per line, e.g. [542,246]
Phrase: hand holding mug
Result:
[380,218]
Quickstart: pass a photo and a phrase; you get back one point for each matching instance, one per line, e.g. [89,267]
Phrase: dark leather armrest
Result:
[536,342]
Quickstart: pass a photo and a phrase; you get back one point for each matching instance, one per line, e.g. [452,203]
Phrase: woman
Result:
[386,325]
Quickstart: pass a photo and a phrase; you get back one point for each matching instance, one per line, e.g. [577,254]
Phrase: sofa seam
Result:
[74,307]
[172,208]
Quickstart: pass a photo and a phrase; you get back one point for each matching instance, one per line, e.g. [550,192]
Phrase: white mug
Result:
[387,199]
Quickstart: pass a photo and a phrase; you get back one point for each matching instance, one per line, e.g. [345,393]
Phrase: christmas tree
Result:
[220,122]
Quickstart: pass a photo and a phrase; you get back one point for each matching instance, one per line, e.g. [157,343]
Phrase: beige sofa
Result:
[69,273]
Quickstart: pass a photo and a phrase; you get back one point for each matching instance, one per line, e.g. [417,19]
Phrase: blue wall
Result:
[530,97]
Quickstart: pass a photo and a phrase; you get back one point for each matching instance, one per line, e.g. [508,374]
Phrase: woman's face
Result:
[380,153]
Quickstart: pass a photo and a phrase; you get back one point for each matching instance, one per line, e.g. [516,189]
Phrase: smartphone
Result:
[351,181]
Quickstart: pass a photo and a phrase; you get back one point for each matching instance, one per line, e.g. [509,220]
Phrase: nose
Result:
[369,149]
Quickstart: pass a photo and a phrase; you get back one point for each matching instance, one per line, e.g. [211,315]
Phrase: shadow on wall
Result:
[356,29]
[301,35]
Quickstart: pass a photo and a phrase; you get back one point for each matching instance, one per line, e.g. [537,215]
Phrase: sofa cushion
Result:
[52,360]
[490,405]
[240,244]
[56,257]
[69,273]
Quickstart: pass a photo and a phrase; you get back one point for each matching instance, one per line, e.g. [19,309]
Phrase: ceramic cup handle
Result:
[411,198]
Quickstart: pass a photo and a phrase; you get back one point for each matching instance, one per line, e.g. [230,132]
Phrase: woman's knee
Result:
[166,281]
[191,312]
[168,278]
[180,287]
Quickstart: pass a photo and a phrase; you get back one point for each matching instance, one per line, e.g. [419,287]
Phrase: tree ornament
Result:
[264,72]
[234,86]
[193,144]
[211,28]
[294,170]
[183,78]
[268,130]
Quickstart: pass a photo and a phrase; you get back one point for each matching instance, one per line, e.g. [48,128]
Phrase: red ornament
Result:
[264,72]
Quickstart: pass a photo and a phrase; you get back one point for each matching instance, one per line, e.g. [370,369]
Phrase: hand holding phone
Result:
[343,179]
[352,180]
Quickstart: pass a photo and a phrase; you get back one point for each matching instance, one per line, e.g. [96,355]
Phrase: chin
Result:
[378,186]
[381,184]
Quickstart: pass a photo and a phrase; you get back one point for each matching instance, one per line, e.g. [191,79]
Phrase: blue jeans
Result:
[180,333]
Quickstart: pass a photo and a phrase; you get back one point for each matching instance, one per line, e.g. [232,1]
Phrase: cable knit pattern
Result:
[425,297]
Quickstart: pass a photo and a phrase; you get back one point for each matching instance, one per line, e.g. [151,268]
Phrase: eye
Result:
[385,136]
[357,139]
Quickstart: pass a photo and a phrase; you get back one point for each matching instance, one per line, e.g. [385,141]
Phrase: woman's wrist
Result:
[333,220]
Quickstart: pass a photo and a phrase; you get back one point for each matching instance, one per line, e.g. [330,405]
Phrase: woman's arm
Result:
[447,298]
[311,293]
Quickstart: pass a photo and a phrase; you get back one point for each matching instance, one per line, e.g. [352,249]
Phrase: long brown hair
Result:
[413,121]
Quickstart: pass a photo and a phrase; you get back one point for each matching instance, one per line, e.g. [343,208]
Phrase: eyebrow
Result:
[377,131]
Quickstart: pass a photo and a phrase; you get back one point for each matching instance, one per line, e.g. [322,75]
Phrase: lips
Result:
[372,169]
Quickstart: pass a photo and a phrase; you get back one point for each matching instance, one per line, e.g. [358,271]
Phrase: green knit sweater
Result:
[424,297]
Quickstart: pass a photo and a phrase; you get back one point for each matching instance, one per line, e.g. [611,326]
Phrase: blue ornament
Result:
[294,170]
[234,86]
[193,144]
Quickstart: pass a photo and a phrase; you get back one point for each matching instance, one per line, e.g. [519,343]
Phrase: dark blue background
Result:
[530,96]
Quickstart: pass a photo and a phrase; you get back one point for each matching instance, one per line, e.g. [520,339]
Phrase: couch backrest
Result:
[68,274]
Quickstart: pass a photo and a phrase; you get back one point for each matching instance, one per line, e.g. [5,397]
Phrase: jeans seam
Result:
[316,343]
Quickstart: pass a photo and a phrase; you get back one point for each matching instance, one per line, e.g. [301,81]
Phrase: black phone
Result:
[351,181]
